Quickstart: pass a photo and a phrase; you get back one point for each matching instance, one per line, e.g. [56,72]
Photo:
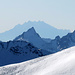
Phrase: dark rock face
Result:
[18,51]
[62,43]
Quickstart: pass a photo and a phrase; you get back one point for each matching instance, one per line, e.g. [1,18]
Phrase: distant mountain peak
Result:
[43,29]
[32,30]
[31,36]
[35,21]
[57,37]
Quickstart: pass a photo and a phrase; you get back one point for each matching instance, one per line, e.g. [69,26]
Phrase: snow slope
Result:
[61,63]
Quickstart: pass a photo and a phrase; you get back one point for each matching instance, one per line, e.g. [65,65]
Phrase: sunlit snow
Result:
[61,63]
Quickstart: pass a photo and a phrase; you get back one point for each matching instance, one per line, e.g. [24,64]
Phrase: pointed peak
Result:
[31,30]
[57,37]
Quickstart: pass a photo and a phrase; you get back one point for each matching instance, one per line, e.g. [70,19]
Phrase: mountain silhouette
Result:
[43,29]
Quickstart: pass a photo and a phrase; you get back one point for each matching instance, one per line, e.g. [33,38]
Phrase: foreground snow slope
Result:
[61,63]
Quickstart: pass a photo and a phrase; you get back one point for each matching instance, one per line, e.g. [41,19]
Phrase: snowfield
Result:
[61,63]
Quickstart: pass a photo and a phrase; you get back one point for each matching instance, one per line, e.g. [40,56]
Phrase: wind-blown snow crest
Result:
[61,63]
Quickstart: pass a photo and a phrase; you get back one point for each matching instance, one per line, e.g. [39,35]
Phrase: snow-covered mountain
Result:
[31,36]
[18,51]
[61,63]
[63,43]
[54,45]
[34,38]
[43,29]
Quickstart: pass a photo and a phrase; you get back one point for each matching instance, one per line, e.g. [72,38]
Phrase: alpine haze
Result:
[43,29]
[18,51]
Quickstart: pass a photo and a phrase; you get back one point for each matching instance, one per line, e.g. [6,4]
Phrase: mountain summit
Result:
[32,30]
[32,37]
[43,29]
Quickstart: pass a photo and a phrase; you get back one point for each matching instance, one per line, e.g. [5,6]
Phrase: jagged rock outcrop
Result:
[18,51]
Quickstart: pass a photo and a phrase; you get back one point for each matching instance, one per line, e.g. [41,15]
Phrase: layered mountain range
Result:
[64,42]
[43,29]
[30,45]
[33,37]
[54,45]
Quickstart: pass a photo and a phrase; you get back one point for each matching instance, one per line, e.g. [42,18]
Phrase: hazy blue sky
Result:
[58,13]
